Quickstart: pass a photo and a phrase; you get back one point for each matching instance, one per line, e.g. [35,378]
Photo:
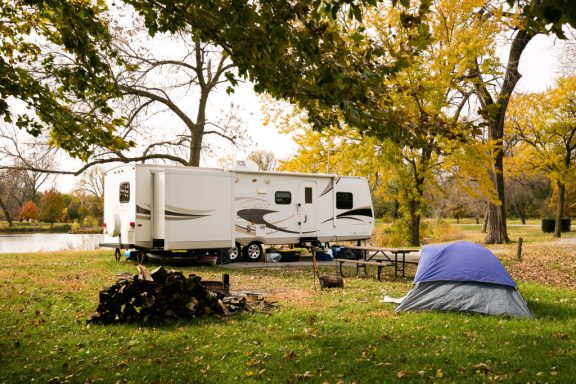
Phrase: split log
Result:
[164,294]
[144,272]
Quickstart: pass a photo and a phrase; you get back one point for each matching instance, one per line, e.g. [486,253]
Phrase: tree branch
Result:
[120,159]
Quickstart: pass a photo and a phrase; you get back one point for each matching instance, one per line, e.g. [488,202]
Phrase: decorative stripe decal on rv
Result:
[142,211]
[330,186]
[174,213]
[182,215]
[256,216]
[364,211]
[182,211]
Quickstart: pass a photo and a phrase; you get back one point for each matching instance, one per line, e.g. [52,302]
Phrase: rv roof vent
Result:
[243,164]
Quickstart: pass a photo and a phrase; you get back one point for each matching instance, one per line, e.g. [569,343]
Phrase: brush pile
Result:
[162,294]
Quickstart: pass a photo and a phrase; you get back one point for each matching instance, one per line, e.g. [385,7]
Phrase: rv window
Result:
[124,192]
[283,197]
[308,195]
[344,200]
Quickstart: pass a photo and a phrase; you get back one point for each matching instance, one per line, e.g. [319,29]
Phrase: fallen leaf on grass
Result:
[305,375]
[483,367]
[401,374]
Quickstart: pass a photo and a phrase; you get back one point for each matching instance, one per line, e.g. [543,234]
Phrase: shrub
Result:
[29,211]
[549,224]
[441,231]
[394,235]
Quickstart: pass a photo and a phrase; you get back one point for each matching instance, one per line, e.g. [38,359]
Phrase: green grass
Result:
[467,229]
[314,336]
[37,227]
[530,232]
[21,227]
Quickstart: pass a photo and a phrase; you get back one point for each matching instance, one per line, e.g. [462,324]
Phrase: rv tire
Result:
[253,251]
[235,253]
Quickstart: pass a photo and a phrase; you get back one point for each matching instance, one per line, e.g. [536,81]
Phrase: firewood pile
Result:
[163,294]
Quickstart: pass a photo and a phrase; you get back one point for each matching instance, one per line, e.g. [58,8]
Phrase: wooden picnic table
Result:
[380,257]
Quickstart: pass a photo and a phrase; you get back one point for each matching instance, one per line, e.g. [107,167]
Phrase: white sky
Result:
[537,66]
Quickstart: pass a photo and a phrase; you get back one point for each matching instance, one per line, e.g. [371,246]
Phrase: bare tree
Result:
[92,182]
[21,168]
[567,62]
[26,155]
[265,159]
[526,194]
[167,87]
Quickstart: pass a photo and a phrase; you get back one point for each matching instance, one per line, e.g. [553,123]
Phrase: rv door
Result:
[308,209]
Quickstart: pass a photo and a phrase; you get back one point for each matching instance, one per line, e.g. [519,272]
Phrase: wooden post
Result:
[519,253]
[314,265]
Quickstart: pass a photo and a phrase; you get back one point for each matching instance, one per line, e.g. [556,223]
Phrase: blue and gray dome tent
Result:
[463,277]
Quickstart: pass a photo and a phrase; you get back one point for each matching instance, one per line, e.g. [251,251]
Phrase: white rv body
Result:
[183,208]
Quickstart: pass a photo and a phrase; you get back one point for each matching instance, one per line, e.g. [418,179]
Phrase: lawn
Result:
[331,336]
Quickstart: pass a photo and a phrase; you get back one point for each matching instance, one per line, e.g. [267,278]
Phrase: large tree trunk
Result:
[559,209]
[494,111]
[416,201]
[195,148]
[6,212]
[415,219]
[496,217]
[496,226]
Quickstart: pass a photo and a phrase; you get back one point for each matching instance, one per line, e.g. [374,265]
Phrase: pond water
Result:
[38,242]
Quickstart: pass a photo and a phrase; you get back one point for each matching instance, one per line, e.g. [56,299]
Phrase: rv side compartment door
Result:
[198,209]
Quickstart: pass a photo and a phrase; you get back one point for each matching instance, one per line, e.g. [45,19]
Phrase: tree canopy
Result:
[310,53]
[51,55]
[546,125]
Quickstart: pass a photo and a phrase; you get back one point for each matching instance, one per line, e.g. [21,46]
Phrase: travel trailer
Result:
[231,212]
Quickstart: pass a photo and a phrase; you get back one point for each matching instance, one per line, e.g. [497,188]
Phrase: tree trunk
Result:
[496,217]
[415,219]
[6,212]
[496,226]
[195,149]
[559,209]
[521,215]
[485,223]
[494,112]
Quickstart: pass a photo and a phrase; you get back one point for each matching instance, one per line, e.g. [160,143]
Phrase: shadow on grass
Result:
[554,310]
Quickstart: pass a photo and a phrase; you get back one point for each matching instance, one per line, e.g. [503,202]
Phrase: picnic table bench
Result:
[379,257]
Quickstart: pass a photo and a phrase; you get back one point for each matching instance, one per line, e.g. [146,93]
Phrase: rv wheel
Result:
[253,251]
[234,253]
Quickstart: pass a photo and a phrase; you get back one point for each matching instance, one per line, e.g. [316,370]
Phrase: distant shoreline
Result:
[56,229]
